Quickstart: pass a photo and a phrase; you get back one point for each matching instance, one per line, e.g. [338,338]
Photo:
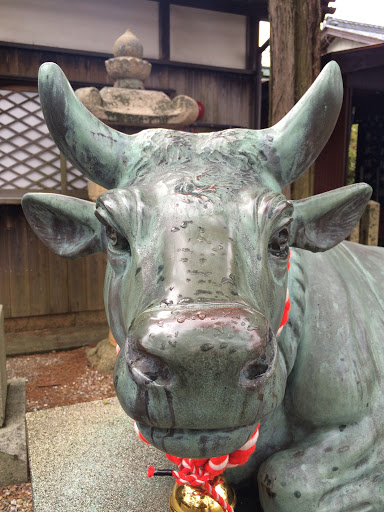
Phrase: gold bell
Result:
[185,498]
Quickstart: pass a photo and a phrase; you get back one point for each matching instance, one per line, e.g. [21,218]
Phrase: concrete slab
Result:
[87,458]
[3,369]
[13,445]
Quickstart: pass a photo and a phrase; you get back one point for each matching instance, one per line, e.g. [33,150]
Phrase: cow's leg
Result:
[341,470]
[357,496]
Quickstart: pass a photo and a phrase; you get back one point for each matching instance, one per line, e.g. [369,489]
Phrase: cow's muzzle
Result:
[200,345]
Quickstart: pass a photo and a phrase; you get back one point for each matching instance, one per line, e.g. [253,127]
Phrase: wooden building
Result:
[363,104]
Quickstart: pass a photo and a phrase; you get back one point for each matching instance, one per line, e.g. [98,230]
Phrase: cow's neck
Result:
[290,336]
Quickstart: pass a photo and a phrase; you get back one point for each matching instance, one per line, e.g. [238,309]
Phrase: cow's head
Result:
[197,234]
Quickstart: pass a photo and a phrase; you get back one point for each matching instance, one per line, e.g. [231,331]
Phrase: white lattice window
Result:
[29,159]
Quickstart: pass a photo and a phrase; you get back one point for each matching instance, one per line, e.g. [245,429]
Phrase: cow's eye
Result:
[278,244]
[116,241]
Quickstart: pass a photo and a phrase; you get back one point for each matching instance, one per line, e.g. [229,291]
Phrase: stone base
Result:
[87,458]
[369,224]
[13,447]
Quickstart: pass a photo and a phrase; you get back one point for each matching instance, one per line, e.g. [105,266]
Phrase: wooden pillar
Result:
[282,80]
[3,369]
[258,90]
[63,173]
[164,30]
[295,63]
[254,64]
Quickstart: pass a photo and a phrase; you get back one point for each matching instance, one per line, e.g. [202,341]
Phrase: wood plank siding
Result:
[34,281]
[226,94]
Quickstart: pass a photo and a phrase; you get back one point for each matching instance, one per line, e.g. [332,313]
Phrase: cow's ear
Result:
[66,225]
[320,222]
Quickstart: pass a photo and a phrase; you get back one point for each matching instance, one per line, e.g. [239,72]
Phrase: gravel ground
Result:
[53,379]
[16,498]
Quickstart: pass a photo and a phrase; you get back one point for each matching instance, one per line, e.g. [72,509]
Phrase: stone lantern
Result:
[127,103]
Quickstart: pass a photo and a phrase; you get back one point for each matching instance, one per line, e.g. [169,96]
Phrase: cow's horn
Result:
[301,135]
[96,150]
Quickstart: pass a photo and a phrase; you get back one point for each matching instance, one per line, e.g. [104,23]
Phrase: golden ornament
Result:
[185,498]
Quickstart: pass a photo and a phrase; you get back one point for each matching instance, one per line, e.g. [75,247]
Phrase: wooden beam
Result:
[20,65]
[369,80]
[252,41]
[14,196]
[63,173]
[256,121]
[357,59]
[326,9]
[200,67]
[22,343]
[164,30]
[282,79]
[23,61]
[230,6]
[264,46]
[253,63]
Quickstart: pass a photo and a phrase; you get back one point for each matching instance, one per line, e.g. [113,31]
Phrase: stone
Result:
[127,103]
[133,107]
[129,83]
[3,369]
[87,457]
[128,45]
[103,356]
[91,99]
[369,224]
[128,67]
[13,445]
[146,108]
[355,235]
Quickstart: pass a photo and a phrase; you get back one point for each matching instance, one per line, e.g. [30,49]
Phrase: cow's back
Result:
[339,366]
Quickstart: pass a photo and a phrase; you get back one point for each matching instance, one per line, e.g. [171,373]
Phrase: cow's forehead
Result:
[201,183]
[229,160]
[212,175]
[184,199]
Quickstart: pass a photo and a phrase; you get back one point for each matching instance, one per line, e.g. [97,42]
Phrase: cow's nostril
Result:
[254,369]
[147,369]
[147,374]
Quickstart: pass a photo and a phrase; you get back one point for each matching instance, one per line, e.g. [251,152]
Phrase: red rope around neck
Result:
[201,472]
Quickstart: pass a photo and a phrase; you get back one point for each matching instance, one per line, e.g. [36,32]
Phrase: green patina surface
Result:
[197,234]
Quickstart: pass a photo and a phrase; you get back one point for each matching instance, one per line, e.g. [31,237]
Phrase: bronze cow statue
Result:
[198,235]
